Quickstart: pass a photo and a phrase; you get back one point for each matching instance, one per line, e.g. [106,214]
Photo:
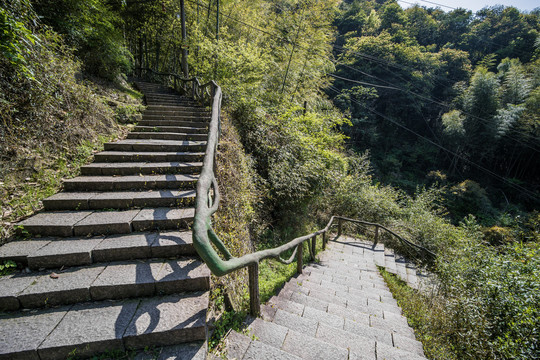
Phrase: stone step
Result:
[146,156]
[156,145]
[177,117]
[87,222]
[166,102]
[119,199]
[401,268]
[203,126]
[144,168]
[190,109]
[172,97]
[53,253]
[89,329]
[136,182]
[177,129]
[169,99]
[192,351]
[165,111]
[294,341]
[389,261]
[378,255]
[240,346]
[166,136]
[412,279]
[104,281]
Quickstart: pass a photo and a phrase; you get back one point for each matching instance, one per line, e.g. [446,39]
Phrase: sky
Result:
[474,5]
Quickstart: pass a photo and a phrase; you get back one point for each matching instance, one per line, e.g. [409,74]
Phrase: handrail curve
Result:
[206,241]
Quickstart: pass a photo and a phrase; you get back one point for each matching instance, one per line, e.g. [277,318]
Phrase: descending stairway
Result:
[340,308]
[110,263]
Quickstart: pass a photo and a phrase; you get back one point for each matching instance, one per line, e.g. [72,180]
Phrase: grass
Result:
[22,199]
[424,316]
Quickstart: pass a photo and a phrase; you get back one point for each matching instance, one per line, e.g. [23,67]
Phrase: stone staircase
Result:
[337,309]
[109,263]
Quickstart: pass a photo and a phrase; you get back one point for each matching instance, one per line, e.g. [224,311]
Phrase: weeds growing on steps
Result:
[424,315]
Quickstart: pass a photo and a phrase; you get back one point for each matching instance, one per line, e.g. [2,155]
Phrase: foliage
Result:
[93,29]
[50,122]
[16,39]
[7,267]
[463,81]
[492,300]
[424,315]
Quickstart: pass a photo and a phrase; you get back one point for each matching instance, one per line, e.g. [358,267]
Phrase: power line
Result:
[369,57]
[442,104]
[525,191]
[362,83]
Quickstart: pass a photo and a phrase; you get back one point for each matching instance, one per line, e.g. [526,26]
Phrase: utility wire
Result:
[523,190]
[369,57]
[433,100]
[440,103]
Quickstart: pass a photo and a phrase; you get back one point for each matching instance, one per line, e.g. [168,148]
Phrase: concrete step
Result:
[412,279]
[144,168]
[165,111]
[191,109]
[389,261]
[240,346]
[119,199]
[177,129]
[166,136]
[170,97]
[88,222]
[193,351]
[295,341]
[147,156]
[104,281]
[156,145]
[89,329]
[136,182]
[51,253]
[177,117]
[202,125]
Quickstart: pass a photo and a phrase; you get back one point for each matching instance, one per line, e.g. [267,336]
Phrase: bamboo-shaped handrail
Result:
[204,237]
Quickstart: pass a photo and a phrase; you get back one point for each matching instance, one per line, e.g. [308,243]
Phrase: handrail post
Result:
[339,228]
[299,258]
[254,300]
[324,240]
[313,247]
[376,236]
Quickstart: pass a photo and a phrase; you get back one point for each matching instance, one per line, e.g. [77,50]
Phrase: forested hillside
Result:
[444,96]
[422,120]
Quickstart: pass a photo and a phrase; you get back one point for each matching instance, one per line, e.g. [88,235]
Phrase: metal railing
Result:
[205,239]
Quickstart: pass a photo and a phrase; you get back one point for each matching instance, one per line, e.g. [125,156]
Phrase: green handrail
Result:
[207,203]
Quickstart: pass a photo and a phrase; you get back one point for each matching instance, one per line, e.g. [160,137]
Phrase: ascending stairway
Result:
[338,309]
[110,262]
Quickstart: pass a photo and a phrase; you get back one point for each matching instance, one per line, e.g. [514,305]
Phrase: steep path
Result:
[337,309]
[110,261]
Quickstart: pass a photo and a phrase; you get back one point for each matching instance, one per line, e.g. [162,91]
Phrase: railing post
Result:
[324,240]
[339,228]
[313,247]
[376,236]
[254,301]
[299,258]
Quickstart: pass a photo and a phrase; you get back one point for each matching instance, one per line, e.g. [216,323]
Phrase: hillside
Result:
[421,120]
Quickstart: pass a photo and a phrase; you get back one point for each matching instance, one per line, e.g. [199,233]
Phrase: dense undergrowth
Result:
[284,163]
[52,115]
